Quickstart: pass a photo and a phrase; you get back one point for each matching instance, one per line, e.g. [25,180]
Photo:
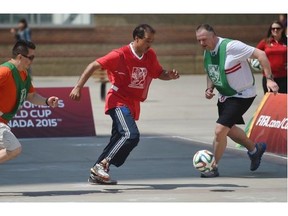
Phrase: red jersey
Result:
[277,55]
[130,76]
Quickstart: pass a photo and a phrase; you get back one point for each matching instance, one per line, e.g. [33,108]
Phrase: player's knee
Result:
[134,138]
[131,142]
[132,135]
[220,132]
[10,142]
[15,152]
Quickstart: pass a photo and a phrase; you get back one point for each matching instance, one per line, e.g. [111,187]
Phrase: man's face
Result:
[206,39]
[145,43]
[27,60]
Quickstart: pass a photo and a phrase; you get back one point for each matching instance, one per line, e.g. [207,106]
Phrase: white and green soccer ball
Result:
[255,65]
[203,160]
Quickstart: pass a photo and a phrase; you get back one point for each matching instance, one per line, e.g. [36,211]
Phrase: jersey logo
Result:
[138,77]
[214,74]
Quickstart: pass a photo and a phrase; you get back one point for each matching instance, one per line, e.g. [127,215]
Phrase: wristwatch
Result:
[270,77]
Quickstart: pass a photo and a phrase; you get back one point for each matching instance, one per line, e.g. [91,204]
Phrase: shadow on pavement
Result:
[68,160]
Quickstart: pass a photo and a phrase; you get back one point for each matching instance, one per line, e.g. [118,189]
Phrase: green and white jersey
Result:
[235,73]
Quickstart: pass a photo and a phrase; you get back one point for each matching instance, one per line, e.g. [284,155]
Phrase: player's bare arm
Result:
[168,75]
[89,70]
[209,90]
[261,56]
[37,99]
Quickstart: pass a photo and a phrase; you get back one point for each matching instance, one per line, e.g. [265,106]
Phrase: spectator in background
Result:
[283,20]
[22,32]
[275,47]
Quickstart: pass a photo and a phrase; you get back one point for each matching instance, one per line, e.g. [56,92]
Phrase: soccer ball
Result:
[255,65]
[203,160]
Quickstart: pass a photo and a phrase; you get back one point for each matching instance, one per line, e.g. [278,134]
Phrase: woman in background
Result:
[275,47]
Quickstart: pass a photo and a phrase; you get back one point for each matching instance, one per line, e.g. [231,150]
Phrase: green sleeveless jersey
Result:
[22,88]
[215,68]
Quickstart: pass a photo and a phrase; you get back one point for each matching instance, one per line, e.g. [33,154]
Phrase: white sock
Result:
[253,152]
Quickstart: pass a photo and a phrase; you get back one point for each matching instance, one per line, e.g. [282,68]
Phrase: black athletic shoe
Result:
[211,174]
[256,157]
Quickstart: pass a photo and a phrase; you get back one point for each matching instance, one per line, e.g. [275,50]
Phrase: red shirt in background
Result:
[277,55]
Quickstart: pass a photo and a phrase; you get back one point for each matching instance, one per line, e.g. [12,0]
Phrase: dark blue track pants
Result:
[124,137]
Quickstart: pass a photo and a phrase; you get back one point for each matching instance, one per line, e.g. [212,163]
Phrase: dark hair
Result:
[140,30]
[283,34]
[207,27]
[24,21]
[21,47]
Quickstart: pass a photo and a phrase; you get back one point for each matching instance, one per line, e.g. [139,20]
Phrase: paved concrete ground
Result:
[176,121]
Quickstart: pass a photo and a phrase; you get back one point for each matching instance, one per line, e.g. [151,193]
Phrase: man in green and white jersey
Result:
[227,68]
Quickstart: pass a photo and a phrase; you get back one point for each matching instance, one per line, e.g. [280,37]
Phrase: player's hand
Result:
[272,86]
[209,93]
[75,94]
[173,74]
[53,101]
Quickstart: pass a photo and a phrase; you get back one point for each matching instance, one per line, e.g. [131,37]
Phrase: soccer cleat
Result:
[210,174]
[99,171]
[93,179]
[256,157]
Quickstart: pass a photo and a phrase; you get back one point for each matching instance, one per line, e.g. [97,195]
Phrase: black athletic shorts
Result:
[232,109]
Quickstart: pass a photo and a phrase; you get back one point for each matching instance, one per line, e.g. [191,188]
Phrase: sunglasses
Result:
[277,28]
[29,57]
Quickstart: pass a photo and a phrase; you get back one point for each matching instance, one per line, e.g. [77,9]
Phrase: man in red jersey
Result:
[130,70]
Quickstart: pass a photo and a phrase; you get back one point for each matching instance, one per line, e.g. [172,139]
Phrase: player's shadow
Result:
[112,189]
[52,193]
[175,186]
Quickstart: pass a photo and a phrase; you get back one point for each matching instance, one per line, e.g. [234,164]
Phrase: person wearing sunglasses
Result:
[275,47]
[15,88]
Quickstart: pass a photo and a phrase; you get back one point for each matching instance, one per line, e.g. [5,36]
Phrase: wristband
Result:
[270,77]
[46,101]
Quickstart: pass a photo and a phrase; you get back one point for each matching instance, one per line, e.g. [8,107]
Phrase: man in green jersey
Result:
[227,68]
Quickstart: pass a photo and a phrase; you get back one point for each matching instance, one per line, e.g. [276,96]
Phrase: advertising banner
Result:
[270,123]
[69,119]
